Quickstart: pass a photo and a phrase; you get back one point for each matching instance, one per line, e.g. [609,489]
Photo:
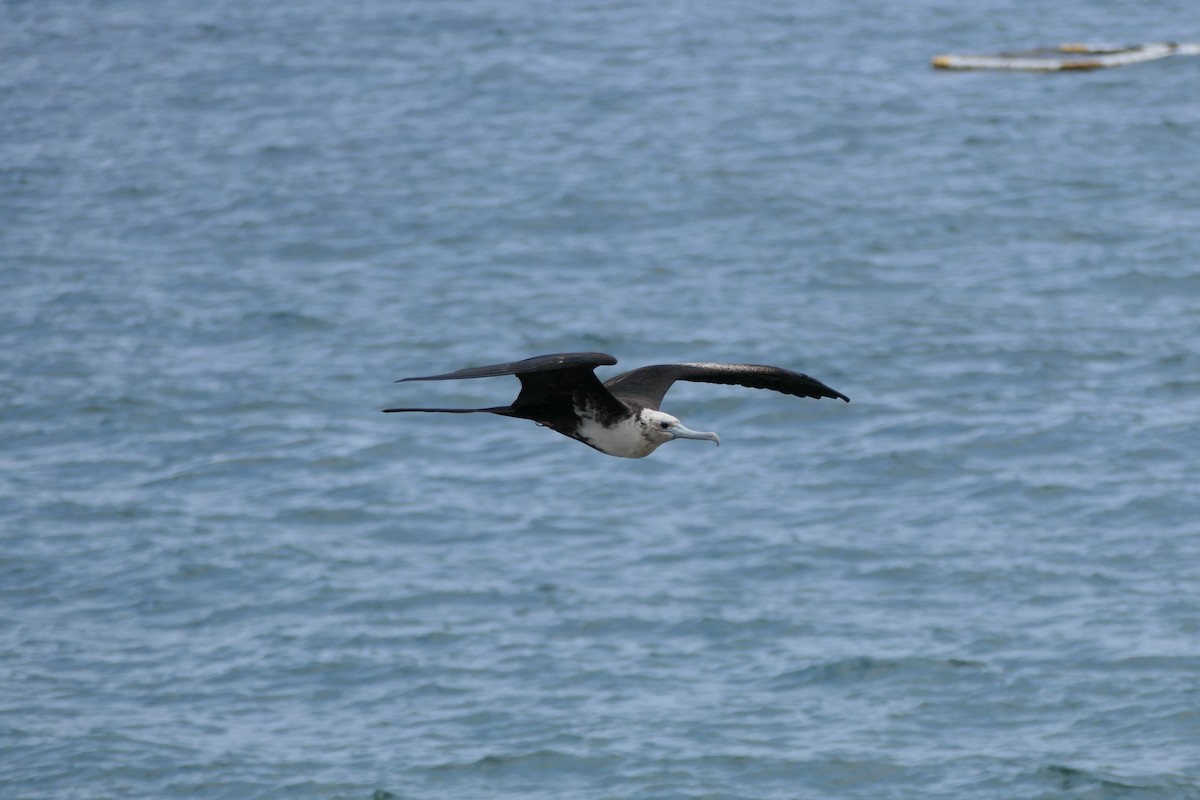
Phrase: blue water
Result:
[226,228]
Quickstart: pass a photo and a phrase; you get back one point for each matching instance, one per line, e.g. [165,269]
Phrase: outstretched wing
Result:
[554,389]
[646,386]
[528,366]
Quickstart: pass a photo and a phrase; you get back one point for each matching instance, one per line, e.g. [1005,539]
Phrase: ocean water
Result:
[226,228]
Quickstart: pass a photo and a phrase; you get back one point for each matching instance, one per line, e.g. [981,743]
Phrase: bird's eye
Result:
[664,425]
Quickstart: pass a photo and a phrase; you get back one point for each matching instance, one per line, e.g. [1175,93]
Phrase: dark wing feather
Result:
[553,389]
[556,361]
[647,386]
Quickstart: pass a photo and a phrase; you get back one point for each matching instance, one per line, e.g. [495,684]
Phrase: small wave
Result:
[289,320]
[865,668]
[1096,786]
[541,762]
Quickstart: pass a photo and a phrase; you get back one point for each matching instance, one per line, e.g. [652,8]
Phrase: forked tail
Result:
[503,410]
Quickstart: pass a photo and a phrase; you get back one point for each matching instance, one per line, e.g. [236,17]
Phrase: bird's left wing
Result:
[646,386]
[556,361]
[554,388]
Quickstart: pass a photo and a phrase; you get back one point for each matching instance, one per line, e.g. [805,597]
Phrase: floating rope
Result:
[1069,57]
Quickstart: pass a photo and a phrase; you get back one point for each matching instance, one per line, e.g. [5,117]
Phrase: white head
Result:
[659,428]
[637,436]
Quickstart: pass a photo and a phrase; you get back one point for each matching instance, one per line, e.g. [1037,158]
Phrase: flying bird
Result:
[619,417]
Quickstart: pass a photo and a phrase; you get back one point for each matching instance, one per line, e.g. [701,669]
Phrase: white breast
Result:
[624,439]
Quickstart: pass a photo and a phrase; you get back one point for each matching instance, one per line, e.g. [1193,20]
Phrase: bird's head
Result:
[661,428]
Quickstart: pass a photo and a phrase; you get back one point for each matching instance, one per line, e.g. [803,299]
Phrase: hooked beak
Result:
[681,432]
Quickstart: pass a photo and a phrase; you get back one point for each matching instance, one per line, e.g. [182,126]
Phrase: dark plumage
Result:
[621,416]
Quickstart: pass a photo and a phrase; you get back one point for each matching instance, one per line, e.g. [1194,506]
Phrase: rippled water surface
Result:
[226,228]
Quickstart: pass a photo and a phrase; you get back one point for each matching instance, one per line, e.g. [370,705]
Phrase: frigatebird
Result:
[619,417]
